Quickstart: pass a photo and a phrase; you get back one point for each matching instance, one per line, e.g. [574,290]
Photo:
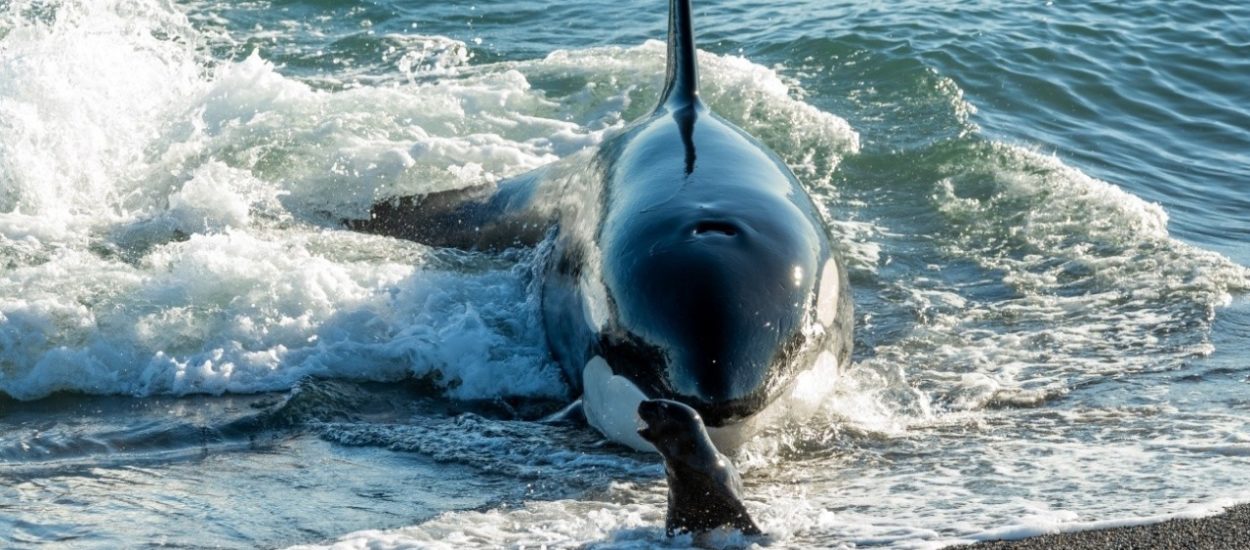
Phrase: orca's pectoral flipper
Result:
[492,217]
[574,413]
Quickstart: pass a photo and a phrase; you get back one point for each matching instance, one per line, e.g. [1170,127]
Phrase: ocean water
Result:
[1045,208]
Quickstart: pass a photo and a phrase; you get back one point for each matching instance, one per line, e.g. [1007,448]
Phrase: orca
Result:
[686,261]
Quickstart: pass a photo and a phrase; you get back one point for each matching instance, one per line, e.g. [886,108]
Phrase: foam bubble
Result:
[213,200]
[560,524]
[82,93]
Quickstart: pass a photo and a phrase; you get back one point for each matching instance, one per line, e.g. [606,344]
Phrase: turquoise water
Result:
[1043,206]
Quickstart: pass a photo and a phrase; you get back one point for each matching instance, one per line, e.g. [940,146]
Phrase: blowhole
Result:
[724,228]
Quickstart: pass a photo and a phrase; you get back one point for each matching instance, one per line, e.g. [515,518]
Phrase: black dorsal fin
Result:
[681,86]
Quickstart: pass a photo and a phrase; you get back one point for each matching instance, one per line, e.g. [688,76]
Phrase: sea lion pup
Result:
[704,490]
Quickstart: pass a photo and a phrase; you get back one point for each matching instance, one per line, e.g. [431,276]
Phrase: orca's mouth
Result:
[719,413]
[646,366]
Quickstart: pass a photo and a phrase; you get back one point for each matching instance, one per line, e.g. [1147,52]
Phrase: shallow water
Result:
[1044,208]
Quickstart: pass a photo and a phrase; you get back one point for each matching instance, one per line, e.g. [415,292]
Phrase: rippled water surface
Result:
[1044,205]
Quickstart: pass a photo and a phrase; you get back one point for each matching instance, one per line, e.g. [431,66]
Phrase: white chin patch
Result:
[611,404]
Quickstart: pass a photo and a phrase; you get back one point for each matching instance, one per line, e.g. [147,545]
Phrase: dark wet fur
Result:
[704,490]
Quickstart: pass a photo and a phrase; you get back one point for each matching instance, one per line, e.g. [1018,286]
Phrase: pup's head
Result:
[671,426]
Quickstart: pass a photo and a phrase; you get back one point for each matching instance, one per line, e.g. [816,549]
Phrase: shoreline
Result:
[1228,530]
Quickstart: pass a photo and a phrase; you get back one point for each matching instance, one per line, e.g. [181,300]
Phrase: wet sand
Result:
[1227,531]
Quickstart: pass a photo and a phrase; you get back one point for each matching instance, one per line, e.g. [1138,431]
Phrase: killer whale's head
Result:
[718,299]
[717,267]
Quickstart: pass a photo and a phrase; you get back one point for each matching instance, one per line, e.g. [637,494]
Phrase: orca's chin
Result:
[718,413]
